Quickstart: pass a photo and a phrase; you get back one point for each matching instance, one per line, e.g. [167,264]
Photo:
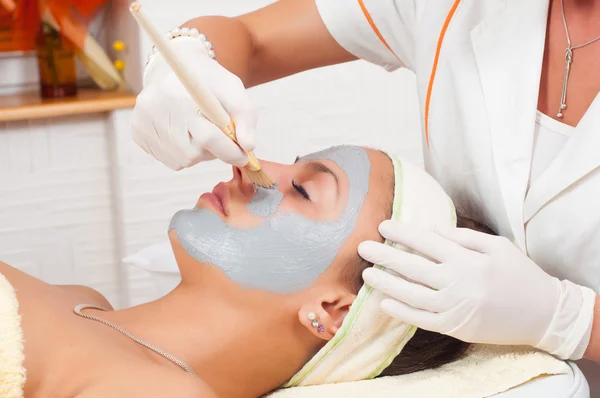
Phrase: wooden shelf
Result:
[32,106]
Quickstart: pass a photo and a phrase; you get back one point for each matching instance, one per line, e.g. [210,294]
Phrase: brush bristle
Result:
[260,178]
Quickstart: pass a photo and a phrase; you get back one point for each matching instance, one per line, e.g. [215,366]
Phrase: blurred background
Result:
[77,195]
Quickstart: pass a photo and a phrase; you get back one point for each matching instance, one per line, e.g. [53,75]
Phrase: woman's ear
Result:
[324,316]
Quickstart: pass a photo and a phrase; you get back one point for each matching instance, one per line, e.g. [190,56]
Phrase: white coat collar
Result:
[578,158]
[509,48]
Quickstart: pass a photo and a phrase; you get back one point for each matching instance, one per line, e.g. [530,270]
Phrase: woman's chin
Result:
[181,256]
[197,273]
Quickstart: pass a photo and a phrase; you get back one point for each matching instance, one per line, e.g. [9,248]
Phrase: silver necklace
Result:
[77,310]
[568,61]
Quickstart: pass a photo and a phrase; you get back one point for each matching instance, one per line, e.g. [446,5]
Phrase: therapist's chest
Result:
[481,109]
[580,66]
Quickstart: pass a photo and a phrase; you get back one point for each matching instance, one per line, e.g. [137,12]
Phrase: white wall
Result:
[56,220]
[76,194]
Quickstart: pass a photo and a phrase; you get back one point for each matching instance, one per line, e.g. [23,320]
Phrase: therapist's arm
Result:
[276,41]
[593,350]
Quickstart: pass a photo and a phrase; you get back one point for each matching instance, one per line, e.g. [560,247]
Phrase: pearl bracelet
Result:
[193,32]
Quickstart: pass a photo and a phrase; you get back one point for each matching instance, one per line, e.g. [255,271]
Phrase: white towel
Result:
[484,371]
[12,373]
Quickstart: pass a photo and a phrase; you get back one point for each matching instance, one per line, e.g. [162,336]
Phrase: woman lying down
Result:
[271,295]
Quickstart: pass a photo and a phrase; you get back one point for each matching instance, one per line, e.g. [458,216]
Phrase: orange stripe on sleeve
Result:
[361,3]
[435,64]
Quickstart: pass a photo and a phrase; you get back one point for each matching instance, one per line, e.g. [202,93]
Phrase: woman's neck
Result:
[240,346]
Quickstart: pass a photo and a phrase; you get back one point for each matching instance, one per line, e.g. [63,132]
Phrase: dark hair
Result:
[425,350]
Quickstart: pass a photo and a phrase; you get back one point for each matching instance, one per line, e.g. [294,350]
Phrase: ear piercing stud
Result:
[315,323]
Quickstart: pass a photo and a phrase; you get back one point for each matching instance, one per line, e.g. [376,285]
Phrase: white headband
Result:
[369,339]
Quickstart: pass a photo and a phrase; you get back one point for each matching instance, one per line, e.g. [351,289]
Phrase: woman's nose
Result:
[243,182]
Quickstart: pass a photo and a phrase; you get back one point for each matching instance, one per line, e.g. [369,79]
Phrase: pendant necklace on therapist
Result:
[568,61]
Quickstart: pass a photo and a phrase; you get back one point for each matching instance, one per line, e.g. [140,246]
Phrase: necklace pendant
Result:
[563,97]
[569,55]
[560,112]
[568,60]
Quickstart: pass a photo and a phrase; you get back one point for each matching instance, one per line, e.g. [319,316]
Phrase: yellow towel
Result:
[483,372]
[12,372]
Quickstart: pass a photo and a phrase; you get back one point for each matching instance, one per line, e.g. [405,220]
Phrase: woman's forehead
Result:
[382,172]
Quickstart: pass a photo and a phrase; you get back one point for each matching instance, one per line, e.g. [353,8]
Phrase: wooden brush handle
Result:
[208,104]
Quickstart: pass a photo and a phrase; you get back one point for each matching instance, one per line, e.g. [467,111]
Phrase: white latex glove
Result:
[478,288]
[166,122]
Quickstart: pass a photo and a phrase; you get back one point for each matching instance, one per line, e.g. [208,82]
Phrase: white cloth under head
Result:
[483,372]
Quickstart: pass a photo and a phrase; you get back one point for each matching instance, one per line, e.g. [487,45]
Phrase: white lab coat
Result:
[481,118]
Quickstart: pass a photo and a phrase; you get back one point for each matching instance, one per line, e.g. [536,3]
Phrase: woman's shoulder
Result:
[149,381]
[29,286]
[87,295]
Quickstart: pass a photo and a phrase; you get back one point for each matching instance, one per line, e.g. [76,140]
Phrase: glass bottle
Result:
[56,64]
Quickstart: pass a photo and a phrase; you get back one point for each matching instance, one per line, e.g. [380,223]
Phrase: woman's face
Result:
[282,240]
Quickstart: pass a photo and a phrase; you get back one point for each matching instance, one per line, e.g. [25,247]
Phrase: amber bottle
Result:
[56,63]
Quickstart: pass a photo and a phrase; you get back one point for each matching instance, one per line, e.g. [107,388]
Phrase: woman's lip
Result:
[218,198]
[221,191]
[214,200]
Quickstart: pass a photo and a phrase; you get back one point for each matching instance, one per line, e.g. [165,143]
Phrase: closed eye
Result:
[301,190]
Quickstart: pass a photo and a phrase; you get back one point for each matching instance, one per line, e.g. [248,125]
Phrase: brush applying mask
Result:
[207,103]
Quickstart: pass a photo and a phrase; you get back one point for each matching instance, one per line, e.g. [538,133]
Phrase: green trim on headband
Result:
[342,332]
[396,215]
[398,179]
[412,330]
[348,323]
[453,216]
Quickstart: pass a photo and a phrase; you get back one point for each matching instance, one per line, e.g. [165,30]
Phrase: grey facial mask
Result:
[265,202]
[288,252]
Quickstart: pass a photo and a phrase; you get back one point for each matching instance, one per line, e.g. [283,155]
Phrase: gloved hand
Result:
[478,288]
[166,122]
